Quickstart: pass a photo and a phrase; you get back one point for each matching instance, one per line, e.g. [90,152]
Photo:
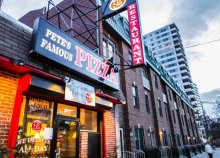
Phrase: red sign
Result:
[36,125]
[135,35]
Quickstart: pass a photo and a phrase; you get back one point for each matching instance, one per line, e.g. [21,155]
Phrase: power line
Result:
[202,43]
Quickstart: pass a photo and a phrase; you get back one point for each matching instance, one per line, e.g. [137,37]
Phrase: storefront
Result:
[70,116]
[47,125]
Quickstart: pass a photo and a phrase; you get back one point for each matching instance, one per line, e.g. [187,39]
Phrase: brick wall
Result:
[83,144]
[110,132]
[8,87]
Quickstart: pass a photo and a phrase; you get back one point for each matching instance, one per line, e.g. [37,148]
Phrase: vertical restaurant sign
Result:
[112,7]
[79,92]
[50,42]
[135,35]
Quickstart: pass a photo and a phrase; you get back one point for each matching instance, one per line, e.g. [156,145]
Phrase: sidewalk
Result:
[204,155]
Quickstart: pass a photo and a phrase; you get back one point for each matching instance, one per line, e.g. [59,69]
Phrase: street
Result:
[204,155]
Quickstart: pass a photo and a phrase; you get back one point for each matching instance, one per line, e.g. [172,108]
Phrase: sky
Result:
[197,20]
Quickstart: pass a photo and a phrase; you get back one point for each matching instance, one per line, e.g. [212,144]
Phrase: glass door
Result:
[66,137]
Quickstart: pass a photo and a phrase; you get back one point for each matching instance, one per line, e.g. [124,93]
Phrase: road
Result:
[204,155]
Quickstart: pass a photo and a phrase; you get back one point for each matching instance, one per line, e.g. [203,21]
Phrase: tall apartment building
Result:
[199,113]
[167,47]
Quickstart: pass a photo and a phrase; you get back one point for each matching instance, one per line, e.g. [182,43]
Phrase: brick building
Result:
[156,113]
[37,117]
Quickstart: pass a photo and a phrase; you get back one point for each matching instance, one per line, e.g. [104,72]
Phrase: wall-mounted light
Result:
[18,62]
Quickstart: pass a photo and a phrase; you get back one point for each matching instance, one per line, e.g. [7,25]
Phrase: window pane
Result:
[133,91]
[35,124]
[147,103]
[66,110]
[88,120]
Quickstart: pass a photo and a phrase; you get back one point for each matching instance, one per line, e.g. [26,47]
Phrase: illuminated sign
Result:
[116,4]
[36,125]
[135,35]
[112,7]
[51,43]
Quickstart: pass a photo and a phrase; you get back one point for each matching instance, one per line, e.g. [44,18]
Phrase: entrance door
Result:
[66,137]
[93,145]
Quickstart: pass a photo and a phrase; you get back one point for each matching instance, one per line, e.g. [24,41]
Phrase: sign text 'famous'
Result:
[55,45]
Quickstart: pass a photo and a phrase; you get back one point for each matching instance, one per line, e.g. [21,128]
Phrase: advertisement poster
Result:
[79,92]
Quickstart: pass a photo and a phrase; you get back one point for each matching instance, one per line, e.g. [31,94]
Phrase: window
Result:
[173,70]
[174,118]
[160,108]
[139,138]
[182,120]
[66,110]
[147,103]
[130,57]
[170,94]
[108,48]
[170,65]
[135,95]
[36,117]
[144,73]
[166,113]
[165,142]
[155,80]
[88,120]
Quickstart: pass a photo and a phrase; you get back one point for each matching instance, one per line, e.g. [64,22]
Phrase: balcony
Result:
[186,79]
[187,85]
[184,72]
[181,60]
[189,92]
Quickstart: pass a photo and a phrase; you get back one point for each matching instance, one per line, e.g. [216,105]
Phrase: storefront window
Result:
[88,120]
[35,128]
[66,110]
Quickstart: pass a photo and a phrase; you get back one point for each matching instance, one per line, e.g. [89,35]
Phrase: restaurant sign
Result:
[50,42]
[135,35]
[112,7]
[79,92]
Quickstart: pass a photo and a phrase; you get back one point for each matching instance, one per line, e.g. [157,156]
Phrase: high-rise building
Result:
[167,47]
[199,113]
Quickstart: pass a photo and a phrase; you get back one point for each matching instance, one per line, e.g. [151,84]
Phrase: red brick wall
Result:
[83,144]
[110,132]
[8,87]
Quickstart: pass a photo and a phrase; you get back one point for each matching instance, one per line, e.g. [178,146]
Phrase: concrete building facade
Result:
[166,45]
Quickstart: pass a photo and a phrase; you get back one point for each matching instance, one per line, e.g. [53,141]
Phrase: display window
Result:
[66,110]
[49,129]
[88,120]
[35,128]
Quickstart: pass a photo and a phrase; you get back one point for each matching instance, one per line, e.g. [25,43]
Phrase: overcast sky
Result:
[198,21]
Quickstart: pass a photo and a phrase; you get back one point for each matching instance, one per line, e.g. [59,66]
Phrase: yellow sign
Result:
[116,4]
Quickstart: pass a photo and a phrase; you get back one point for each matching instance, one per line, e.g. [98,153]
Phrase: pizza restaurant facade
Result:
[58,99]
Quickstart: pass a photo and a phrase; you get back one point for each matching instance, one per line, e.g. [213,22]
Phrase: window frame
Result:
[106,52]
[135,97]
[147,104]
